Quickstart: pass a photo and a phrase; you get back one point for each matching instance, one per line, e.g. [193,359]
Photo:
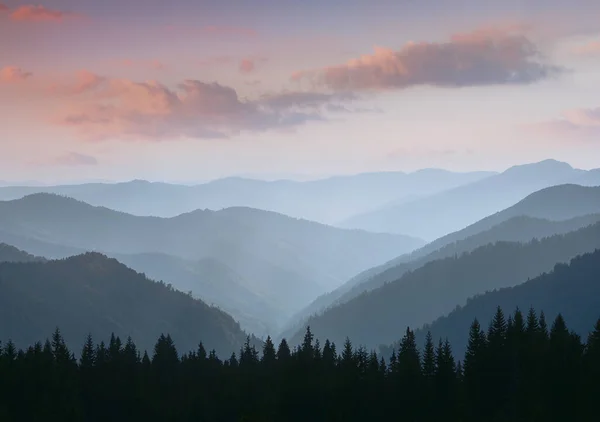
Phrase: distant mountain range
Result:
[284,262]
[437,215]
[93,294]
[572,290]
[421,296]
[327,201]
[533,217]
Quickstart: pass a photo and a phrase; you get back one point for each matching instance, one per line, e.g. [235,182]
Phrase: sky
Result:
[196,90]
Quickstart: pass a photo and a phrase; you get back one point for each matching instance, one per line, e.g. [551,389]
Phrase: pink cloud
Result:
[33,13]
[3,8]
[84,81]
[482,57]
[127,110]
[591,48]
[75,159]
[249,64]
[577,123]
[13,74]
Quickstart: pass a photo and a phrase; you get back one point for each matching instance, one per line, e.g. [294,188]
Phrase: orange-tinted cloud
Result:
[33,13]
[577,123]
[13,74]
[83,81]
[248,64]
[127,110]
[591,48]
[482,57]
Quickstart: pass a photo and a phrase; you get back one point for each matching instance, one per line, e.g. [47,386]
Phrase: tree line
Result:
[519,369]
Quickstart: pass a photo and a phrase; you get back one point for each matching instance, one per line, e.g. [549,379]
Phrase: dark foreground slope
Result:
[94,294]
[435,289]
[570,289]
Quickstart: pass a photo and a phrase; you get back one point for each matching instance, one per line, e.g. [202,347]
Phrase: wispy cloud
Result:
[82,82]
[591,48]
[489,56]
[75,159]
[12,74]
[582,123]
[38,13]
[249,64]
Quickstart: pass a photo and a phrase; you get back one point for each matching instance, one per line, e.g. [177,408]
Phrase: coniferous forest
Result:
[522,368]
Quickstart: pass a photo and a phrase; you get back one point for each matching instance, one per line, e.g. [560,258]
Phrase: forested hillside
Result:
[435,289]
[519,370]
[572,290]
[516,229]
[94,294]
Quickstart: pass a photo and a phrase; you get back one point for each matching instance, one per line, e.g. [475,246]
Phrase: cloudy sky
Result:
[190,90]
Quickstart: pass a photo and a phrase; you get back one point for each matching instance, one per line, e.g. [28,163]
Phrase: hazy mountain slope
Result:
[287,261]
[590,178]
[572,290]
[435,289]
[94,294]
[9,253]
[213,282]
[448,211]
[560,202]
[327,200]
[516,229]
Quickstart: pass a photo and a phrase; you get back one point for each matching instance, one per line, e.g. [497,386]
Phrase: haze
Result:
[274,210]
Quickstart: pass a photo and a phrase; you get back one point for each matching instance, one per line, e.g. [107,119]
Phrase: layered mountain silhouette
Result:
[533,217]
[437,215]
[94,294]
[517,229]
[572,290]
[9,253]
[327,200]
[285,261]
[421,296]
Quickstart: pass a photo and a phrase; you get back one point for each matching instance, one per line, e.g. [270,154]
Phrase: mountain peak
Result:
[550,165]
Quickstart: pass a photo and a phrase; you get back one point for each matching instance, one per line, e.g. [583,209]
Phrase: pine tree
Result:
[473,371]
[428,359]
[88,354]
[409,378]
[269,354]
[283,351]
